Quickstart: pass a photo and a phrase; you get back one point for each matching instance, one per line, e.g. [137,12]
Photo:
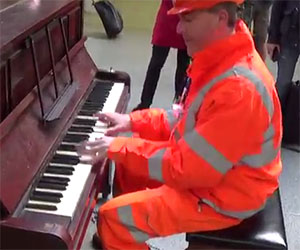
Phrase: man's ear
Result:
[223,17]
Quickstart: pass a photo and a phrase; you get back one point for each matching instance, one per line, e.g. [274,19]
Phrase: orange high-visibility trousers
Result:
[129,220]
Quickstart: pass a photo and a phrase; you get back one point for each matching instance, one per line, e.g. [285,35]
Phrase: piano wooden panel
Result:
[27,142]
[3,89]
[37,143]
[19,58]
[38,14]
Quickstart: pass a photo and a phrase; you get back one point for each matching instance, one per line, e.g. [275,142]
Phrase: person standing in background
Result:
[164,37]
[284,43]
[258,11]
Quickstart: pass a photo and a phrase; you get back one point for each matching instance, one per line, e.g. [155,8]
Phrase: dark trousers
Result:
[158,59]
[286,67]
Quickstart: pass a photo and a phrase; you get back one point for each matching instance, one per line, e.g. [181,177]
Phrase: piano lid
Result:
[25,141]
[19,19]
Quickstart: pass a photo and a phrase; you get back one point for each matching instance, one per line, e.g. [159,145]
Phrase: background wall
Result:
[137,14]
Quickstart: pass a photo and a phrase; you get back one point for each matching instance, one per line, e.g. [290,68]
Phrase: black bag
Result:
[291,119]
[110,16]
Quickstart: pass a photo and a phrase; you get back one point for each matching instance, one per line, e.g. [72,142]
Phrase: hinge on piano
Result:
[63,99]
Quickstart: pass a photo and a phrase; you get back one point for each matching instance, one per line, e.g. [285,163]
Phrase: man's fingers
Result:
[114,130]
[105,117]
[95,150]
[92,159]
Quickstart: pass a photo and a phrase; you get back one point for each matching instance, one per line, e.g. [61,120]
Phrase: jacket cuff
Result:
[135,119]
[115,148]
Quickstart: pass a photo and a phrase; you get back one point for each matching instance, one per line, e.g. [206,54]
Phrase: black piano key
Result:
[93,108]
[75,138]
[66,157]
[70,168]
[62,171]
[56,180]
[45,198]
[87,112]
[51,186]
[103,86]
[85,122]
[42,207]
[93,104]
[81,129]
[65,161]
[53,194]
[98,97]
[66,147]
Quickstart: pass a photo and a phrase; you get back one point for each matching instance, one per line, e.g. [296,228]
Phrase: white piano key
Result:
[57,175]
[80,175]
[71,143]
[72,193]
[100,134]
[67,165]
[84,117]
[101,127]
[113,98]
[42,202]
[61,152]
[48,190]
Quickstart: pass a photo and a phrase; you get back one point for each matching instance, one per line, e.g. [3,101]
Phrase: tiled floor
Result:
[131,53]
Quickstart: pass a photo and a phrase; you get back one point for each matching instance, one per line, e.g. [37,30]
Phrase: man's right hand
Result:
[118,122]
[271,47]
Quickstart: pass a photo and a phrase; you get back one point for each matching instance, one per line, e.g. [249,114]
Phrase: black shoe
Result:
[141,106]
[97,244]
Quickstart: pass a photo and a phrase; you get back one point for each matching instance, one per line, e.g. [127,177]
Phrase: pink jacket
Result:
[164,32]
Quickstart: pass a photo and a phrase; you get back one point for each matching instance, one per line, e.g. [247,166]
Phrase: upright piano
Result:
[50,89]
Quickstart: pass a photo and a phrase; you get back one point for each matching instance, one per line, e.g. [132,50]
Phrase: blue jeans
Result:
[286,68]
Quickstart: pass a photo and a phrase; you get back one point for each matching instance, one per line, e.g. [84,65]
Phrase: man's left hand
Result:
[93,152]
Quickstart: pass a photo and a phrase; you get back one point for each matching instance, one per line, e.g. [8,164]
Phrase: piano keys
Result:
[66,174]
[47,189]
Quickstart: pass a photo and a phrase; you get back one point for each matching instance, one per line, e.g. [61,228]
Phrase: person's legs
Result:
[128,221]
[286,68]
[261,15]
[125,183]
[158,59]
[182,64]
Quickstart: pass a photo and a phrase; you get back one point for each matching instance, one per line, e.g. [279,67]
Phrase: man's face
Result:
[199,28]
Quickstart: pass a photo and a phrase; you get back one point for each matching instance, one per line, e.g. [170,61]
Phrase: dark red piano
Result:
[50,88]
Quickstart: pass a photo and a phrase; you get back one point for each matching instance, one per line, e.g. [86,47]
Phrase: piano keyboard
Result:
[60,186]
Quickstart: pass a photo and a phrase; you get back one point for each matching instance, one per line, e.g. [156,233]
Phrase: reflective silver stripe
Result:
[268,152]
[239,215]
[267,155]
[191,119]
[155,166]
[126,218]
[259,85]
[235,71]
[206,151]
[172,119]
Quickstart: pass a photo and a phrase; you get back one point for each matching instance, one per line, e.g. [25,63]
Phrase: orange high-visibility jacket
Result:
[225,147]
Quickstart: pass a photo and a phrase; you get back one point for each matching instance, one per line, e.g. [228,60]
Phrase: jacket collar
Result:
[223,53]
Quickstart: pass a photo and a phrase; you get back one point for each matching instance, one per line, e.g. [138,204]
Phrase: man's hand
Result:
[271,47]
[95,151]
[118,122]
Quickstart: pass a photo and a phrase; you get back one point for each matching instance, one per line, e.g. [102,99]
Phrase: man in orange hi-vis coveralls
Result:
[210,164]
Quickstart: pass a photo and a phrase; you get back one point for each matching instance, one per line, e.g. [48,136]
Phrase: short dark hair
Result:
[232,10]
